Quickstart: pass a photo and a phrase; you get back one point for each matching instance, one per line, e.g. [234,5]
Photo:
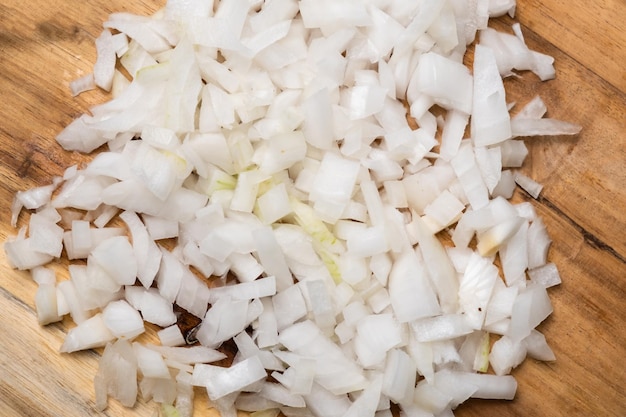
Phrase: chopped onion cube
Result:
[89,334]
[223,381]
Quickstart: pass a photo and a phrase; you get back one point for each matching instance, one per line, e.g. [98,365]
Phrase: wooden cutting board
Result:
[45,44]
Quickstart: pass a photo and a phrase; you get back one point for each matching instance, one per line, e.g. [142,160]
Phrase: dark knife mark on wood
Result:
[589,237]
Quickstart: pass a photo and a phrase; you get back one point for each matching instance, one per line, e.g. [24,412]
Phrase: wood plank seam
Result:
[12,298]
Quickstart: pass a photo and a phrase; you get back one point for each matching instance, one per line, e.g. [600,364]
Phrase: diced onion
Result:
[263,176]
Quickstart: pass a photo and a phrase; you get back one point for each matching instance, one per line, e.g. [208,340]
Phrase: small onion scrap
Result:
[265,145]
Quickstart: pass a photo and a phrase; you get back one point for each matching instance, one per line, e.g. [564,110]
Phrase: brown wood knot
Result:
[54,30]
[24,167]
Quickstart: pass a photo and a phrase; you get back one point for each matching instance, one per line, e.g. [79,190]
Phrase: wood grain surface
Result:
[44,44]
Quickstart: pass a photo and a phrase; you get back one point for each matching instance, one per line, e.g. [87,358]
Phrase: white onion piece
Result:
[247,348]
[271,257]
[510,51]
[289,306]
[490,241]
[68,302]
[46,237]
[473,17]
[281,395]
[147,254]
[223,381]
[97,237]
[543,66]
[526,211]
[42,275]
[120,43]
[223,320]
[117,375]
[529,185]
[150,362]
[537,347]
[424,17]
[321,402]
[412,297]
[319,303]
[160,390]
[139,29]
[335,371]
[170,276]
[80,137]
[82,84]
[500,7]
[534,109]
[531,307]
[489,161]
[428,398]
[46,304]
[253,402]
[442,327]
[453,131]
[105,64]
[505,355]
[91,333]
[82,192]
[193,294]
[376,335]
[94,285]
[81,236]
[32,199]
[171,336]
[21,255]
[455,385]
[156,309]
[546,275]
[116,256]
[185,394]
[513,153]
[490,117]
[501,303]
[302,371]
[543,127]
[333,184]
[440,269]
[514,256]
[475,289]
[448,82]
[399,376]
[368,400]
[330,14]
[470,176]
[490,386]
[262,287]
[123,320]
[506,186]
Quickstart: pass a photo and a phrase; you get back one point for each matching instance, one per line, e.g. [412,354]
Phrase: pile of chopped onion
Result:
[350,248]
